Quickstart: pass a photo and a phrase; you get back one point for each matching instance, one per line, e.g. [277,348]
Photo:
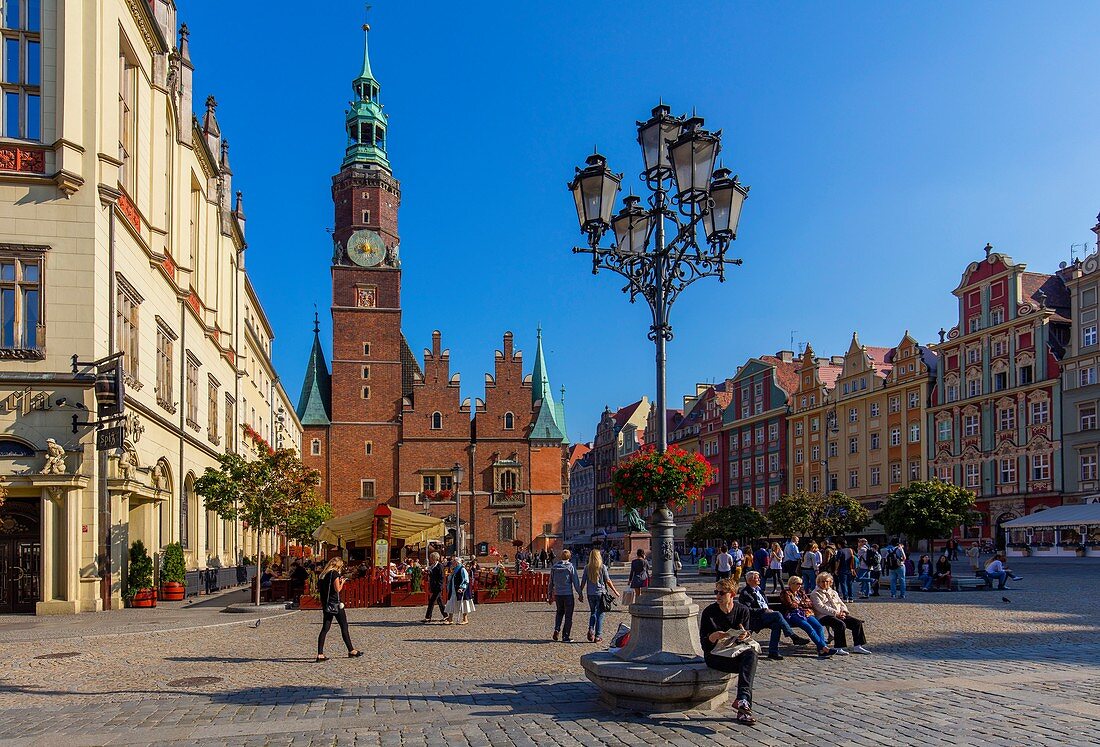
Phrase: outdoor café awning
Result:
[1060,516]
[413,528]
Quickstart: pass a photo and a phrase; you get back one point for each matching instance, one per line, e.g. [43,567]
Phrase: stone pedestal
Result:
[636,541]
[661,669]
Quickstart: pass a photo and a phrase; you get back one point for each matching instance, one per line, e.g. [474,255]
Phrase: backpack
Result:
[892,561]
[872,558]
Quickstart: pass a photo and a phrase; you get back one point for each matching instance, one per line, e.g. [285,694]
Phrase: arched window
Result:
[509,421]
[437,421]
[185,511]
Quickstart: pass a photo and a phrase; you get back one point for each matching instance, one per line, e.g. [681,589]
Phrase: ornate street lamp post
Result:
[457,473]
[702,207]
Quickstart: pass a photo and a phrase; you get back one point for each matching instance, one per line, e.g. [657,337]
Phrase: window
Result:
[212,396]
[315,447]
[230,423]
[758,389]
[1088,417]
[1006,471]
[974,387]
[973,355]
[874,441]
[368,447]
[1087,375]
[165,339]
[1025,374]
[914,469]
[944,433]
[815,484]
[799,484]
[952,392]
[509,421]
[832,481]
[876,476]
[192,392]
[773,462]
[815,453]
[773,493]
[127,301]
[998,347]
[874,409]
[914,433]
[1088,466]
[759,435]
[760,496]
[895,436]
[973,324]
[970,425]
[997,315]
[506,532]
[853,478]
[773,431]
[814,425]
[733,469]
[1006,418]
[1088,336]
[366,490]
[733,441]
[853,414]
[798,456]
[366,372]
[21,67]
[1040,467]
[437,420]
[1000,381]
[365,393]
[21,305]
[914,400]
[853,445]
[833,449]
[366,348]
[1040,412]
[746,467]
[895,404]
[127,120]
[973,475]
[759,465]
[366,216]
[895,473]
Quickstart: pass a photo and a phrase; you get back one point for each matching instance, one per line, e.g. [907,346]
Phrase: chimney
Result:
[837,360]
[787,356]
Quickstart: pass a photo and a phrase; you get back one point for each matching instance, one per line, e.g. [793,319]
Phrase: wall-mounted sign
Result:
[109,438]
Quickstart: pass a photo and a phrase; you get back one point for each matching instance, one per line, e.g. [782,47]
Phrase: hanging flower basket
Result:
[671,478]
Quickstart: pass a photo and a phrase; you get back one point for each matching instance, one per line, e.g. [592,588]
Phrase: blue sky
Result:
[885,144]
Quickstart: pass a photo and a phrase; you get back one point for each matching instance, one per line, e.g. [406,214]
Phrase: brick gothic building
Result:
[382,429]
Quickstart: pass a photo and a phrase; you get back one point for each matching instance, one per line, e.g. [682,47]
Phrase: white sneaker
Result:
[840,652]
[860,650]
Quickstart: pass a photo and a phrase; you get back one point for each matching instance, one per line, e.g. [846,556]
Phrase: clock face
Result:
[366,248]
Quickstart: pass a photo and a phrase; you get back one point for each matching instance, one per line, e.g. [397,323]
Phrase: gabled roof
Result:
[786,372]
[314,406]
[577,452]
[1054,288]
[624,414]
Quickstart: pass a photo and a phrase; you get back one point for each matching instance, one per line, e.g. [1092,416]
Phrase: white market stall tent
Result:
[1062,531]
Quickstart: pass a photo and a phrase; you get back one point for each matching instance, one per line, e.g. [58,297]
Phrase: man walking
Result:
[845,571]
[435,587]
[723,564]
[791,557]
[738,560]
[762,616]
[893,560]
[563,580]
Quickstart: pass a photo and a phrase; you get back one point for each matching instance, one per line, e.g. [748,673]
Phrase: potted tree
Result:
[413,595]
[139,578]
[172,572]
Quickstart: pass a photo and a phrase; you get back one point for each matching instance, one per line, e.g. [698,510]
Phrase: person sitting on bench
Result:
[996,569]
[941,579]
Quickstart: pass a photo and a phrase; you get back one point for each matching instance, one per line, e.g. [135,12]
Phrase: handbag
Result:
[607,601]
[735,648]
[333,606]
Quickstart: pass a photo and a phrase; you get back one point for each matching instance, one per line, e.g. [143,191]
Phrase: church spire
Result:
[550,421]
[366,124]
[313,404]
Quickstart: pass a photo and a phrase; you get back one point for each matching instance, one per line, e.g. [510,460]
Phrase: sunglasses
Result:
[722,592]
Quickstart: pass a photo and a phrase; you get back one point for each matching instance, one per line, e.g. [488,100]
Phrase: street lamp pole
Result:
[686,191]
[457,473]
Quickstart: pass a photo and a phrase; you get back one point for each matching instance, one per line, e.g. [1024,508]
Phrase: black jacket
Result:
[435,578]
[756,610]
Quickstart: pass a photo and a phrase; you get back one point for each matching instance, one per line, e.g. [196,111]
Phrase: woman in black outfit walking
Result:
[328,589]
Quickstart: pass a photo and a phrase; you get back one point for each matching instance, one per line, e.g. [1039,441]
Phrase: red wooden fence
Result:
[374,590]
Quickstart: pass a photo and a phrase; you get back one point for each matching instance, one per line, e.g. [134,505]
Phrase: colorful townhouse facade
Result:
[996,416]
[1080,384]
[618,434]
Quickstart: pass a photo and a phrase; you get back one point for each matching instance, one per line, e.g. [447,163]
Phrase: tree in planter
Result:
[416,579]
[809,514]
[173,568]
[743,523]
[274,491]
[139,571]
[926,510]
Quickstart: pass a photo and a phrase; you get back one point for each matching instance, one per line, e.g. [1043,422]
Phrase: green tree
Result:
[300,526]
[811,515]
[927,510]
[273,491]
[743,523]
[139,571]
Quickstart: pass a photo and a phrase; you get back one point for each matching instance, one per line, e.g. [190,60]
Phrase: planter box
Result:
[171,592]
[306,602]
[405,598]
[504,596]
[144,599]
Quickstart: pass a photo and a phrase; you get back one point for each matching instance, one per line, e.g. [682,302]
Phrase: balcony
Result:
[507,499]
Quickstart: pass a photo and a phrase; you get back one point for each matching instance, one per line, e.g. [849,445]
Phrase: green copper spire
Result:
[366,124]
[313,404]
[550,421]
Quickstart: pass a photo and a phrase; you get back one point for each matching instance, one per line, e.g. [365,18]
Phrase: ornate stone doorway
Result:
[20,556]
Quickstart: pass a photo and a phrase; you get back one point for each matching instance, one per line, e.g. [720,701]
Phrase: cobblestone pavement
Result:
[948,668]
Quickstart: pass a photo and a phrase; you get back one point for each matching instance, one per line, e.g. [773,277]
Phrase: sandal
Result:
[744,714]
[355,654]
[322,657]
